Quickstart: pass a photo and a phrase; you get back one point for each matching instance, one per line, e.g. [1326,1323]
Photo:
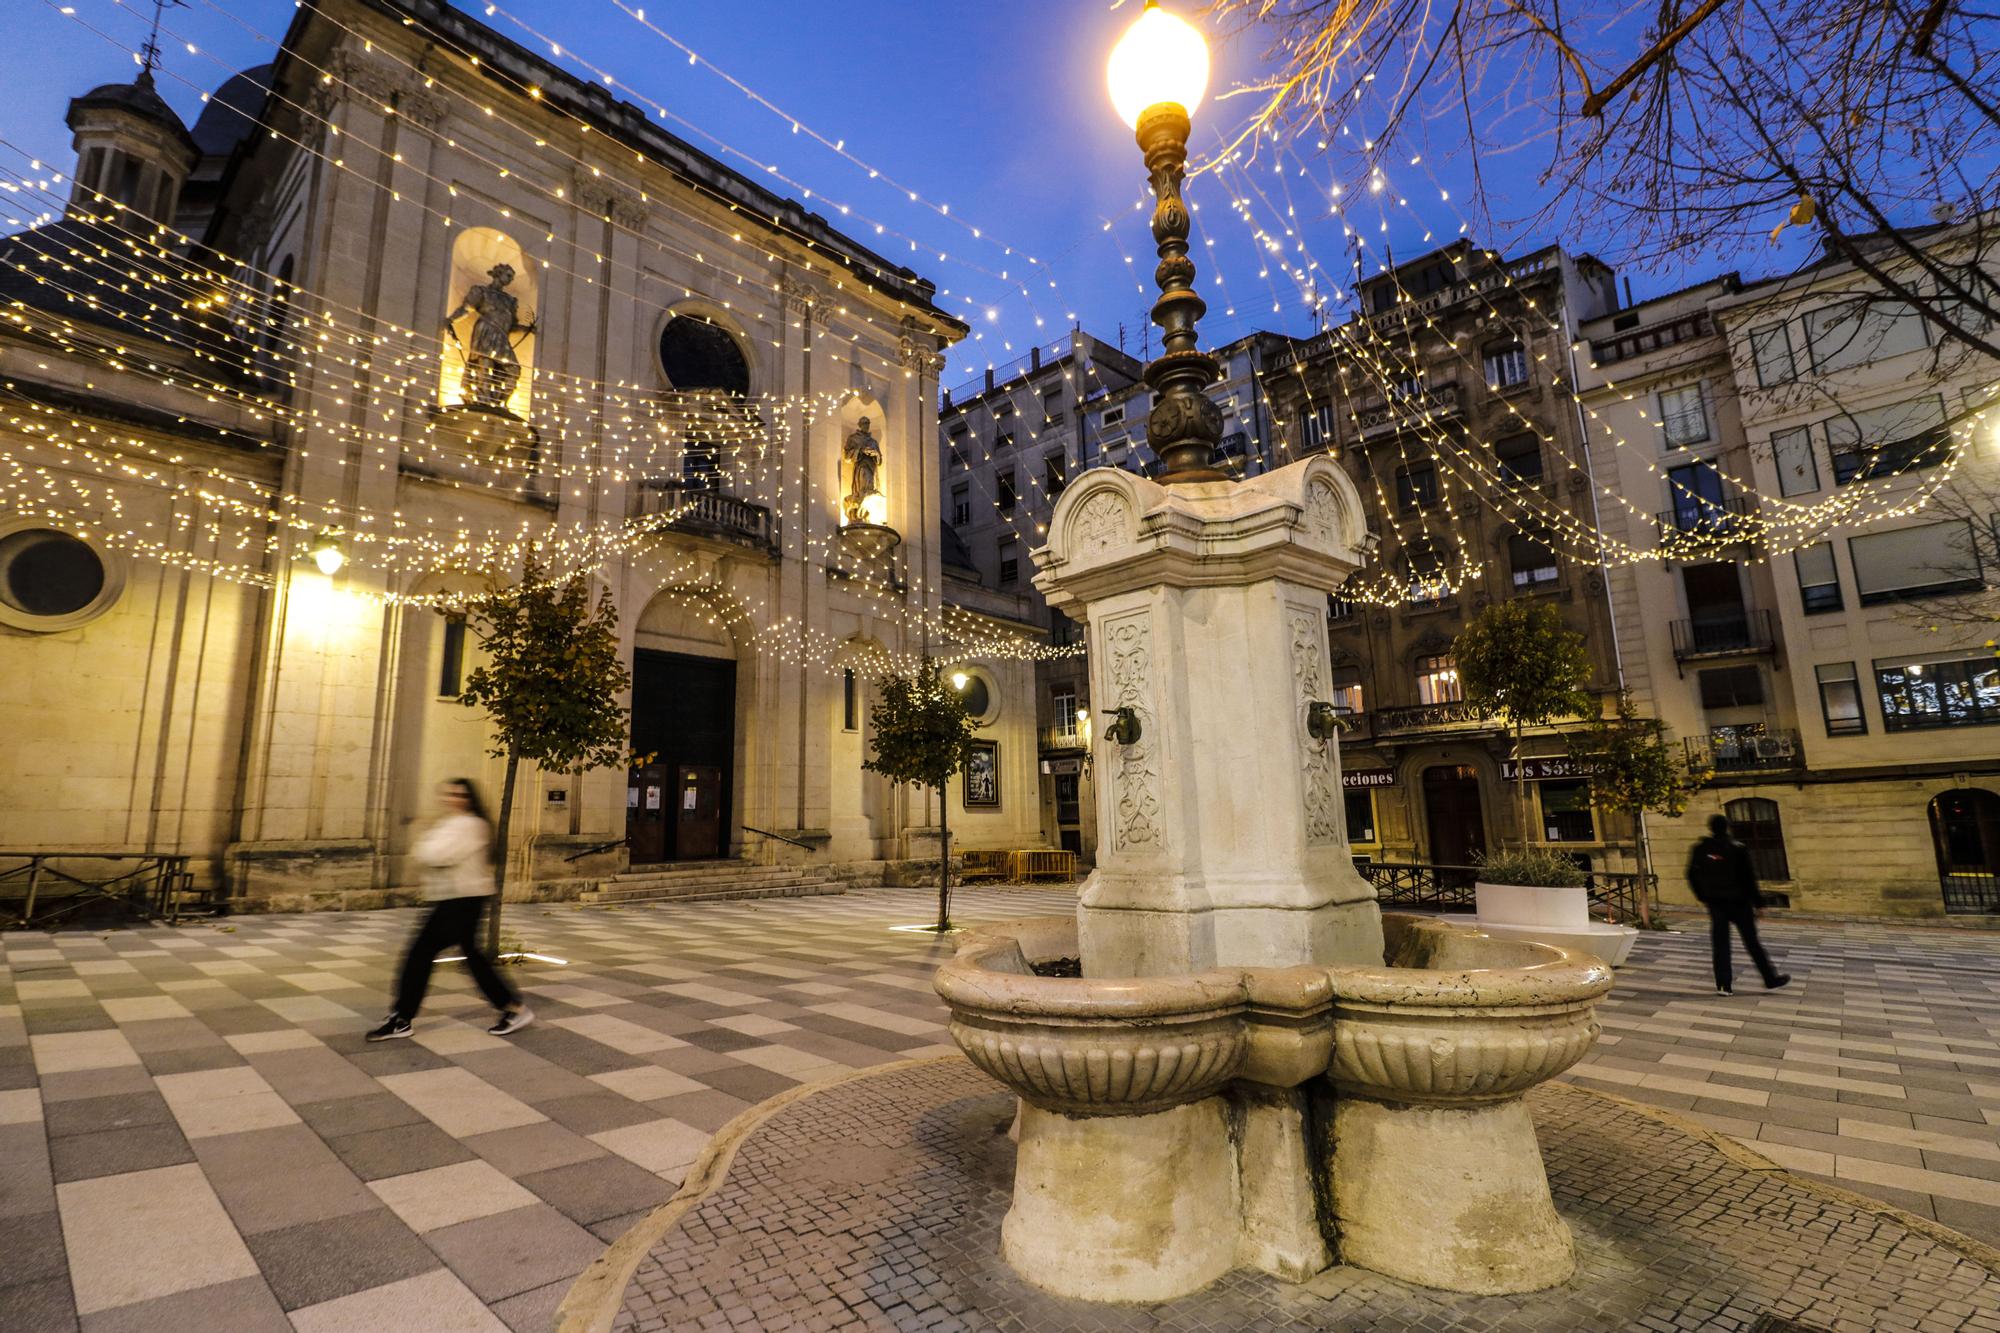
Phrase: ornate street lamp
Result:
[1157,75]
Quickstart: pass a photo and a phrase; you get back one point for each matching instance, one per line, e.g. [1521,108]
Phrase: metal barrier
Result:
[1055,866]
[51,885]
[1621,896]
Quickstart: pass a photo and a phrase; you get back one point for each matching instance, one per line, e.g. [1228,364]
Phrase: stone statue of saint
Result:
[864,458]
[492,368]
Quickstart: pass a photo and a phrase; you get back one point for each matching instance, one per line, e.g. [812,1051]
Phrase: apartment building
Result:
[1448,398]
[1806,461]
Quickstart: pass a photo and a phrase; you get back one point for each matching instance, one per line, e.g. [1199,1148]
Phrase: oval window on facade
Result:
[49,576]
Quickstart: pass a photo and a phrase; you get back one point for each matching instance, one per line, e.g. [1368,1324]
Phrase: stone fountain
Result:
[1255,1068]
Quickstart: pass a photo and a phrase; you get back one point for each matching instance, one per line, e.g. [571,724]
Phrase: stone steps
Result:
[710,881]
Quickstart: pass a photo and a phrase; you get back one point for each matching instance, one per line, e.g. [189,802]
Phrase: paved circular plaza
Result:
[876,1203]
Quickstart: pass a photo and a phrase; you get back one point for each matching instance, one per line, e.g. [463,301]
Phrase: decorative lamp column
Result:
[1157,75]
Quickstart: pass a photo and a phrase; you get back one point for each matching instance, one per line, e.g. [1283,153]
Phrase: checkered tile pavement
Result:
[1878,1068]
[193,1133]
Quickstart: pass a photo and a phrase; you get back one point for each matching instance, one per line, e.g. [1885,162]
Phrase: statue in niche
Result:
[492,366]
[864,491]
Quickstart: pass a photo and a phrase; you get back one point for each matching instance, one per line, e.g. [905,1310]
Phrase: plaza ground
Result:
[193,1132]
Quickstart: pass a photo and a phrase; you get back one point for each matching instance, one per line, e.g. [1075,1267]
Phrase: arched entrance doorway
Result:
[1452,814]
[1965,832]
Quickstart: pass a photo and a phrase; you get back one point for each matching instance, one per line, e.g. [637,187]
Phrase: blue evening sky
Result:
[997,110]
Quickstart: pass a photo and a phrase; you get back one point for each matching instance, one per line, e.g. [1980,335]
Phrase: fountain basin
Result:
[1175,1127]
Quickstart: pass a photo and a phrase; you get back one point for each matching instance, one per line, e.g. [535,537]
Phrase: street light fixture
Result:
[1157,75]
[326,553]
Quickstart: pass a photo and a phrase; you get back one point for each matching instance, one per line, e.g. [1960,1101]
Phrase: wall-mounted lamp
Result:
[1124,728]
[326,553]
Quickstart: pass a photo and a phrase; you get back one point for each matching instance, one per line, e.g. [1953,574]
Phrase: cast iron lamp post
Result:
[1157,75]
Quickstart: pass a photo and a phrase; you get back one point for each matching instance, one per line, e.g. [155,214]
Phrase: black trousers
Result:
[453,923]
[1743,916]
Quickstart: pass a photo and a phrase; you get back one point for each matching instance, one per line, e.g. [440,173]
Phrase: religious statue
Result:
[864,457]
[492,368]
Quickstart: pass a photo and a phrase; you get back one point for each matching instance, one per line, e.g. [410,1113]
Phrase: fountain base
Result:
[1145,1232]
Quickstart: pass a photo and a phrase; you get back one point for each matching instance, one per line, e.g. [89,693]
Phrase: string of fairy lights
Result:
[248,344]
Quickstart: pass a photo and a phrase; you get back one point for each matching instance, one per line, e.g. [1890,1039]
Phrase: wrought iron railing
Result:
[56,885]
[1699,516]
[1615,895]
[1409,411]
[1724,636]
[1727,753]
[1071,737]
[1455,716]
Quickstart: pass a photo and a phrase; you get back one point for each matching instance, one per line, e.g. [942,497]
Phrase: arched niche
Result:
[478,301]
[860,406]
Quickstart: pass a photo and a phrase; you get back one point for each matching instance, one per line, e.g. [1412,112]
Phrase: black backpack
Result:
[1710,873]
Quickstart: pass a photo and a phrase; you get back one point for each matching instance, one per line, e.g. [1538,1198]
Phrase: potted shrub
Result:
[1537,894]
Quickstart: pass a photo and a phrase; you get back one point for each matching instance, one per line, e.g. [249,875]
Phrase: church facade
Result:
[287,389]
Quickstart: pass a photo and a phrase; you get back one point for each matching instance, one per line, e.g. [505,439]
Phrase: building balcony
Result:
[1650,338]
[1737,635]
[1711,520]
[1417,719]
[1439,403]
[1065,738]
[1730,752]
[704,512]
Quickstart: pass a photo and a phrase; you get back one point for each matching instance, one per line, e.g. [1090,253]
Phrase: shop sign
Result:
[1541,770]
[1368,777]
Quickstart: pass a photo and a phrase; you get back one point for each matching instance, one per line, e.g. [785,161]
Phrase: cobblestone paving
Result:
[877,1204]
[193,1133]
[1878,1068]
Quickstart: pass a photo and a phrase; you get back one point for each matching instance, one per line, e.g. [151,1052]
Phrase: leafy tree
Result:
[550,687]
[923,735]
[1634,769]
[1518,659]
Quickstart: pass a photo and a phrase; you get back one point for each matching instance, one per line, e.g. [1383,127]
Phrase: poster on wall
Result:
[982,775]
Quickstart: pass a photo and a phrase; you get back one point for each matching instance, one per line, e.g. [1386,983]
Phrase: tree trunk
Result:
[944,859]
[500,854]
[1521,785]
[1645,871]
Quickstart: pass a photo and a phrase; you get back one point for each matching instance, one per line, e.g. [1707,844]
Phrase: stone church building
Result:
[393,307]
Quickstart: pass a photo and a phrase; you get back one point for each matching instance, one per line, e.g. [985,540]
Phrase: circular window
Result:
[47,575]
[977,699]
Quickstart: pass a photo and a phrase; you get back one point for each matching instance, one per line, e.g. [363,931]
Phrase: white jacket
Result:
[456,855]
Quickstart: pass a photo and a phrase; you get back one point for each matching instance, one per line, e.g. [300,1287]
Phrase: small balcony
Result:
[1416,719]
[1706,520]
[1737,635]
[1737,752]
[705,512]
[1429,406]
[1065,738]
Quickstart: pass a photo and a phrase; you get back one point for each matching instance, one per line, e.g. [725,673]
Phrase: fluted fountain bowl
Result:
[1131,1046]
[1460,1016]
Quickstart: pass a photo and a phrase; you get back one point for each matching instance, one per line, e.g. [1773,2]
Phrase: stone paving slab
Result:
[876,1203]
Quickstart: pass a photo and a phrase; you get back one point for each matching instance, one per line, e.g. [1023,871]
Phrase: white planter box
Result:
[1559,916]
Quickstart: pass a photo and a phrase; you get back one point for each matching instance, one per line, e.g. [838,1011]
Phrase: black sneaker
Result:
[513,1022]
[392,1027]
[1724,990]
[1782,980]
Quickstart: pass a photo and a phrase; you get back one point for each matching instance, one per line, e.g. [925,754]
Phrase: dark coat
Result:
[1720,873]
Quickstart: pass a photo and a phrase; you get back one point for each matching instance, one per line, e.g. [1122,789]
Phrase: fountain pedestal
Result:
[1222,837]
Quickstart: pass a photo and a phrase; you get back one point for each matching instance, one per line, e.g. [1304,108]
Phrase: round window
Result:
[48,574]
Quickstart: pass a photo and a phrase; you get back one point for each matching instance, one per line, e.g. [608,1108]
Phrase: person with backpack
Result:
[1720,873]
[456,855]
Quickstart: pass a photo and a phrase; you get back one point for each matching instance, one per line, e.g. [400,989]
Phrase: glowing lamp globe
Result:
[1161,58]
[959,680]
[326,553]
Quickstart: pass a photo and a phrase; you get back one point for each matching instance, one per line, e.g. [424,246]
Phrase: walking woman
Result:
[456,854]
